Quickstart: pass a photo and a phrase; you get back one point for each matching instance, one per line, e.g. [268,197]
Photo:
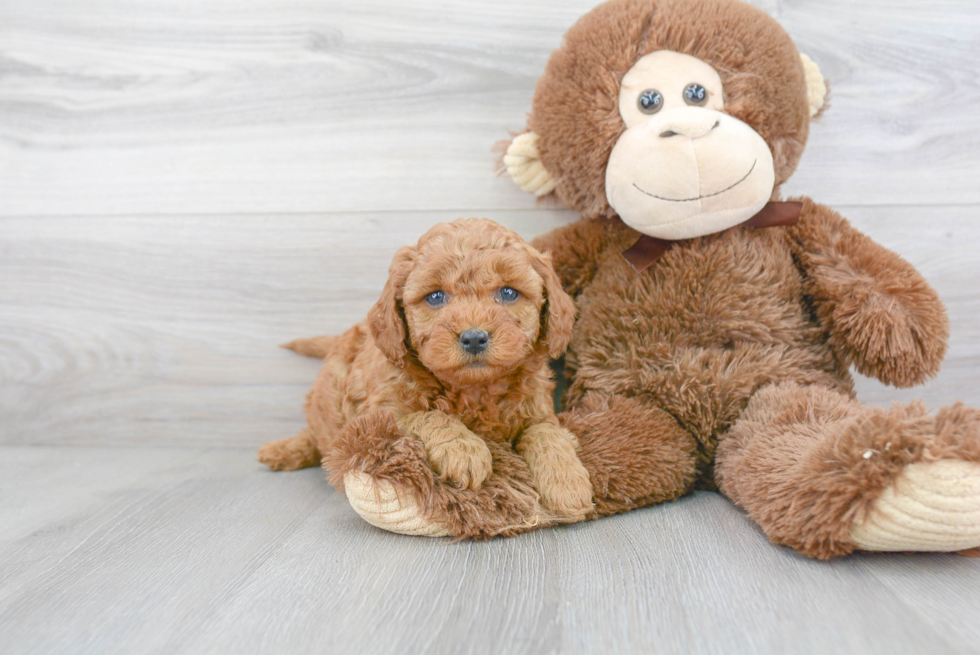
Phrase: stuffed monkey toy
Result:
[716,323]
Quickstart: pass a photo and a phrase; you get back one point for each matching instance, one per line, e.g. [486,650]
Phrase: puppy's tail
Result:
[318,347]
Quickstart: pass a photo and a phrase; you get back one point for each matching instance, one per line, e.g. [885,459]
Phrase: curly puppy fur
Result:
[402,381]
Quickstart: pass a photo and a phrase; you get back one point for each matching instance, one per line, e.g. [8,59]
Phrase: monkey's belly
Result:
[701,376]
[700,343]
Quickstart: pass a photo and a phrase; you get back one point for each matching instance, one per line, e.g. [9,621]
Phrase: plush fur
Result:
[402,384]
[726,363]
[738,338]
[743,338]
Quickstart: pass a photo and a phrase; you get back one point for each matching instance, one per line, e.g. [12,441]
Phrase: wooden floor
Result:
[193,550]
[184,185]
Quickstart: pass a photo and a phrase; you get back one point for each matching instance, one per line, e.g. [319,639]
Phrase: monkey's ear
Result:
[387,320]
[523,163]
[816,86]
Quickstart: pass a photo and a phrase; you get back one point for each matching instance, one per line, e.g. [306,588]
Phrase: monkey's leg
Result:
[636,453]
[826,475]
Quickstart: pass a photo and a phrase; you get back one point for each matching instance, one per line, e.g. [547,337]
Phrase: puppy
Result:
[457,351]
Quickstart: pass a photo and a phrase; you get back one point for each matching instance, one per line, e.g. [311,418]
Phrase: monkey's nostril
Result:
[666,134]
[474,341]
[717,123]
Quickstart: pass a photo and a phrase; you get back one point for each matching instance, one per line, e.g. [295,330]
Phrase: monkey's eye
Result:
[508,294]
[695,94]
[437,298]
[650,101]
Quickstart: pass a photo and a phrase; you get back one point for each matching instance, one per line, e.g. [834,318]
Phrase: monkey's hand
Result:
[882,315]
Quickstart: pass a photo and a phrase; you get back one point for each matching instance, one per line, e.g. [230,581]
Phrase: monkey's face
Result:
[681,117]
[683,168]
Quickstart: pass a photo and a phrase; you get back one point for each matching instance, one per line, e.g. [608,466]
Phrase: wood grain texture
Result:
[164,330]
[119,107]
[184,185]
[205,551]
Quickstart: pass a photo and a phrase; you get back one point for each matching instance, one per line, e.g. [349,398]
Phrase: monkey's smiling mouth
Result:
[707,195]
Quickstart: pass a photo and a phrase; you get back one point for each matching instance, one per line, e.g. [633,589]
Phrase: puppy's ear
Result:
[558,313]
[387,319]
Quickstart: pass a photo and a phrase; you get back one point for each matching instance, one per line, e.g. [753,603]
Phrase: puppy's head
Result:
[472,302]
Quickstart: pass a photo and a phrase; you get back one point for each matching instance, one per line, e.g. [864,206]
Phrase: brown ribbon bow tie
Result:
[647,250]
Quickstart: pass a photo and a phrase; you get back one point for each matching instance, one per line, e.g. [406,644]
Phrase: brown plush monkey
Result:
[711,351]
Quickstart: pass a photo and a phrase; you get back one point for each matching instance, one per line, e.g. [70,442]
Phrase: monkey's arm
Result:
[575,251]
[882,315]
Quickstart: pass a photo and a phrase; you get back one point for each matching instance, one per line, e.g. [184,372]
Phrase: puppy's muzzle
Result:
[474,341]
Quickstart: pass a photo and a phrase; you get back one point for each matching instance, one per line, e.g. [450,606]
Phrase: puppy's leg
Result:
[292,453]
[558,475]
[455,452]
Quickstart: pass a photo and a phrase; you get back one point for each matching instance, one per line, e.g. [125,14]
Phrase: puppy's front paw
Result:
[566,490]
[464,461]
[561,480]
[455,453]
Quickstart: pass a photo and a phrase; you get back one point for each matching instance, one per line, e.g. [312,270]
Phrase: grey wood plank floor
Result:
[184,185]
[200,550]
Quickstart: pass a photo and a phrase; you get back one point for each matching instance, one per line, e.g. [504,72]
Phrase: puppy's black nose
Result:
[474,341]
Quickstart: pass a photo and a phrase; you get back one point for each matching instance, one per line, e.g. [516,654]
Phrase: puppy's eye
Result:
[508,294]
[695,94]
[437,298]
[650,101]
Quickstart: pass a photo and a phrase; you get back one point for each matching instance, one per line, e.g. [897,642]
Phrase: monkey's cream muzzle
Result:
[687,172]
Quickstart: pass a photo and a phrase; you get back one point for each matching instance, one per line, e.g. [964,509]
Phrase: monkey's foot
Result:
[379,504]
[931,506]
[388,481]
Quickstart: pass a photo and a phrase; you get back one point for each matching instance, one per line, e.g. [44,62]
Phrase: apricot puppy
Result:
[456,350]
